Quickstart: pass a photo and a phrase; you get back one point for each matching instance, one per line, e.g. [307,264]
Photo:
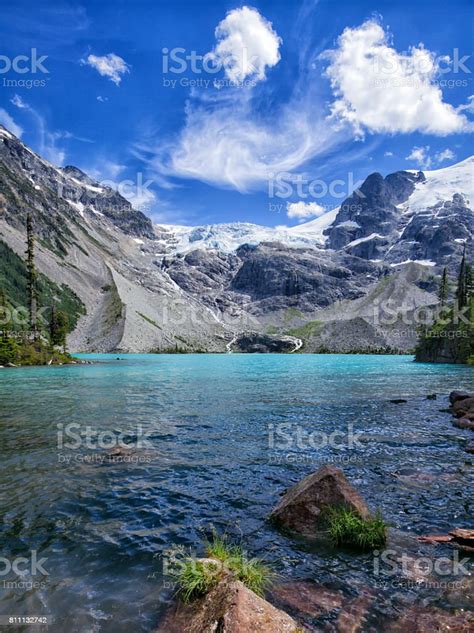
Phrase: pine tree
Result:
[443,288]
[32,274]
[469,281]
[461,292]
[59,328]
[5,319]
[53,326]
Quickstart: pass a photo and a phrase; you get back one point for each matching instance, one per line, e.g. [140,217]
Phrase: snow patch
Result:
[422,262]
[372,236]
[348,224]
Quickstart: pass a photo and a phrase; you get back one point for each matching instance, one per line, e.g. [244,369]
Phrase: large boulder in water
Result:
[302,508]
[455,396]
[463,407]
[229,608]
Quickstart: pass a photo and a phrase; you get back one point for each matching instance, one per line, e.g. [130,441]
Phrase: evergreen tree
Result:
[443,288]
[5,318]
[59,327]
[461,292]
[32,274]
[469,281]
[53,327]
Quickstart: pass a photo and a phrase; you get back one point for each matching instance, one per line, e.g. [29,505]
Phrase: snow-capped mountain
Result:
[407,216]
[148,286]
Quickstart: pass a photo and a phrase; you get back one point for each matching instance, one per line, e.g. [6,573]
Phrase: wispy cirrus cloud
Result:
[230,139]
[49,143]
[7,121]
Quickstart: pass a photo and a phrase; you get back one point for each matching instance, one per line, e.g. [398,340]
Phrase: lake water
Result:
[215,454]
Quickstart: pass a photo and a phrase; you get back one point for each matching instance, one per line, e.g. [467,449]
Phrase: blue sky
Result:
[311,98]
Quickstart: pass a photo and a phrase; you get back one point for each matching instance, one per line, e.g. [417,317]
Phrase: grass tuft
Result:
[346,527]
[198,577]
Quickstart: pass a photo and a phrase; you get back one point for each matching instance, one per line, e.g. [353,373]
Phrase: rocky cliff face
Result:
[201,288]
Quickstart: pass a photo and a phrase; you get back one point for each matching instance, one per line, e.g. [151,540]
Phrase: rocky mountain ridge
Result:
[205,288]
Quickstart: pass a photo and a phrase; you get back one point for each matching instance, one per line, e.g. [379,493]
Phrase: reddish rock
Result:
[302,507]
[307,597]
[353,617]
[465,423]
[420,619]
[435,538]
[455,396]
[464,538]
[229,608]
[461,407]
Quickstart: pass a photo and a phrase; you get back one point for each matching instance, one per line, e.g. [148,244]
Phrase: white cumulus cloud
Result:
[303,210]
[111,66]
[246,45]
[422,158]
[381,90]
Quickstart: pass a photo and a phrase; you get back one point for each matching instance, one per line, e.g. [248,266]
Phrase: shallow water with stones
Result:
[217,455]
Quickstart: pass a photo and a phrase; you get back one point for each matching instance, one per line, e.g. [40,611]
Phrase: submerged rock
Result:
[229,608]
[302,507]
[420,619]
[398,401]
[307,598]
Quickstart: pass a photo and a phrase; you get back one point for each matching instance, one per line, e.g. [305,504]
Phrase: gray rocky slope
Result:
[357,279]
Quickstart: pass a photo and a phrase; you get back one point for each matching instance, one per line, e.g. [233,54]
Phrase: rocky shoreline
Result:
[295,606]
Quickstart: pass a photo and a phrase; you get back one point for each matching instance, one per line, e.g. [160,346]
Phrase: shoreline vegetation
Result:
[451,338]
[31,333]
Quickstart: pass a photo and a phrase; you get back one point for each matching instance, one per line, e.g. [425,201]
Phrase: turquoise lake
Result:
[209,450]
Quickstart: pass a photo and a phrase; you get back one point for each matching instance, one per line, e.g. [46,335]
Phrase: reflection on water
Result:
[209,448]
